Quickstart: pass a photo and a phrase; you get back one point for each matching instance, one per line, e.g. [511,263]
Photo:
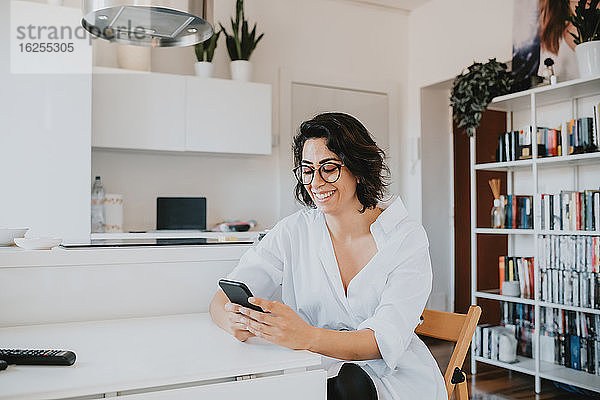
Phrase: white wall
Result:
[445,37]
[44,139]
[326,36]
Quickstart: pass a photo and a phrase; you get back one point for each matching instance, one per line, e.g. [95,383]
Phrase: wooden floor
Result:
[492,383]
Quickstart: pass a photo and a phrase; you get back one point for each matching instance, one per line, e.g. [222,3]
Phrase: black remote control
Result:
[37,357]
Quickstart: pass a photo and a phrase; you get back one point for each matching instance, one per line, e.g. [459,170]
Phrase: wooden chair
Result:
[452,327]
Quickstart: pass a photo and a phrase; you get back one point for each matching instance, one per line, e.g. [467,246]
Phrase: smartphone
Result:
[238,293]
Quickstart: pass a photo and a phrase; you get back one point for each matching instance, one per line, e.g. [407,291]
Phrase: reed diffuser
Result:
[497,210]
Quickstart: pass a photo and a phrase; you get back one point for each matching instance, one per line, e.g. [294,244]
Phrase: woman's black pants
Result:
[351,383]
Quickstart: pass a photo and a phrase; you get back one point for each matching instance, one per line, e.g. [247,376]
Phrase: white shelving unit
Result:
[524,108]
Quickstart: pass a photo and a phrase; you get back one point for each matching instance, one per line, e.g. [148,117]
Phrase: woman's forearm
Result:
[345,345]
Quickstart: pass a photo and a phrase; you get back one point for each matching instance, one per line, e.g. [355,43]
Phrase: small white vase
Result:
[204,69]
[588,58]
[137,58]
[241,70]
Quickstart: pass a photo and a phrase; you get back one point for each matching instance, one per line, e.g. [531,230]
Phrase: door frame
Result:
[291,76]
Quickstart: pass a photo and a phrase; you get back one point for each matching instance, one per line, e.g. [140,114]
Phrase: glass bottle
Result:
[497,215]
[97,206]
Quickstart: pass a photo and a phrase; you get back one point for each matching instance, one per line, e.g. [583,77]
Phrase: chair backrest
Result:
[453,327]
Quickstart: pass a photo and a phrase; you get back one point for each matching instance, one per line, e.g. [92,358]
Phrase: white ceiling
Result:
[406,5]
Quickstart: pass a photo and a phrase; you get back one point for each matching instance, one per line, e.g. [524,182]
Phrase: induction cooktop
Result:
[99,243]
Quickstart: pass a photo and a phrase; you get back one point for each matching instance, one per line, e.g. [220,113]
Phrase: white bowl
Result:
[38,243]
[7,235]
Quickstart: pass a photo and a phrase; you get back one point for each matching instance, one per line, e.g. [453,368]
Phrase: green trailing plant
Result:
[241,42]
[473,90]
[205,51]
[586,21]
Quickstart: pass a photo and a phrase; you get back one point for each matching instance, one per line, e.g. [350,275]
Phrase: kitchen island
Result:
[70,285]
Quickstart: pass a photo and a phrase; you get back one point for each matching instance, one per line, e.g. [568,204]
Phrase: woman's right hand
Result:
[235,326]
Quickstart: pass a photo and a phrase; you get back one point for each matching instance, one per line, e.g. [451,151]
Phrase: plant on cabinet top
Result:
[241,42]
[205,51]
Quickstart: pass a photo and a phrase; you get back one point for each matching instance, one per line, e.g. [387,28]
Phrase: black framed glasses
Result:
[330,172]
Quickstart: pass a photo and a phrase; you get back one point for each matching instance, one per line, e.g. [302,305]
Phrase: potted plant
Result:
[587,40]
[205,52]
[240,44]
[473,90]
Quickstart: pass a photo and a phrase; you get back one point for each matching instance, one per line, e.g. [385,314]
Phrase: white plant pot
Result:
[588,58]
[204,69]
[134,57]
[241,70]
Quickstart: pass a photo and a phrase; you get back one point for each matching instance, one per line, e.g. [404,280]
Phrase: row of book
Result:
[569,252]
[572,288]
[518,319]
[514,145]
[571,210]
[518,211]
[519,269]
[581,136]
[570,339]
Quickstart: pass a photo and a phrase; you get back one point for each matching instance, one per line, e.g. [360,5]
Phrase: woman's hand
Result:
[279,324]
[236,325]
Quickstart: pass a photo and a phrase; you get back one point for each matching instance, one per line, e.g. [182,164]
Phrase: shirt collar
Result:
[392,215]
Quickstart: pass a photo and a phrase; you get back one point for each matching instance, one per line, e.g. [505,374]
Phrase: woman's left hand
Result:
[278,324]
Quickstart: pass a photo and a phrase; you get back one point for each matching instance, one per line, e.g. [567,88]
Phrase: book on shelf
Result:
[582,134]
[596,122]
[518,211]
[549,142]
[519,269]
[571,211]
[569,270]
[574,337]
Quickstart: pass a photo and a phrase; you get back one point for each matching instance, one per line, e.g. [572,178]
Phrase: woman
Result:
[354,278]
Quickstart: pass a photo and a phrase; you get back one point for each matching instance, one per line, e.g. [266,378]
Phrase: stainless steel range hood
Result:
[150,23]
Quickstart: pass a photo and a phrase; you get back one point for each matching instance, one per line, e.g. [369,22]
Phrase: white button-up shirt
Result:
[296,260]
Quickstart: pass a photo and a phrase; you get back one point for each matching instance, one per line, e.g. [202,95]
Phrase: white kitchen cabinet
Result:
[164,112]
[227,116]
[137,110]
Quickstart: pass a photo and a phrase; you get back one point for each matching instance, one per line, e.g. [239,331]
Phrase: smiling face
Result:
[330,198]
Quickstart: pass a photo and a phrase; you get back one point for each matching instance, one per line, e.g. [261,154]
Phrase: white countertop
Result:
[17,257]
[129,354]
